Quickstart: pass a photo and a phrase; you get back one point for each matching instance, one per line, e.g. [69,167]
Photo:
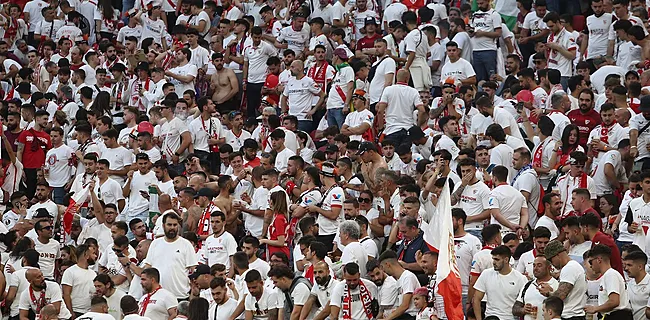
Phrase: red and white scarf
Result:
[366,300]
[539,152]
[319,75]
[204,222]
[604,132]
[136,100]
[145,302]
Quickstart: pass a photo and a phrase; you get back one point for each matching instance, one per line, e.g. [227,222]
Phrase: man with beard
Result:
[184,74]
[158,77]
[224,202]
[63,79]
[321,71]
[99,228]
[529,302]
[111,57]
[49,291]
[606,135]
[527,81]
[176,138]
[513,65]
[221,245]
[224,306]
[449,127]
[298,95]
[133,93]
[78,281]
[428,262]
[42,196]
[203,199]
[13,129]
[527,182]
[86,144]
[448,105]
[133,270]
[206,136]
[158,303]
[251,160]
[610,173]
[236,135]
[158,257]
[225,85]
[139,230]
[586,118]
[32,147]
[502,281]
[144,143]
[320,292]
[342,304]
[250,245]
[261,300]
[595,36]
[386,287]
[372,161]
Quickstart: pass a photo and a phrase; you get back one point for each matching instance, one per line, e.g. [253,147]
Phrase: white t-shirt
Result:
[501,155]
[615,134]
[159,304]
[401,100]
[612,157]
[59,165]
[53,294]
[48,205]
[486,21]
[465,44]
[172,259]
[257,57]
[558,61]
[506,120]
[406,284]
[357,118]
[48,252]
[598,30]
[356,307]
[612,282]
[119,158]
[534,23]
[573,273]
[535,298]
[466,247]
[500,290]
[509,201]
[201,130]
[527,181]
[200,57]
[354,252]
[83,287]
[333,199]
[474,200]
[138,204]
[270,299]
[170,134]
[459,70]
[343,77]
[300,96]
[34,9]
[282,159]
[384,66]
[186,70]
[153,29]
[548,223]
[219,249]
[223,311]
[297,40]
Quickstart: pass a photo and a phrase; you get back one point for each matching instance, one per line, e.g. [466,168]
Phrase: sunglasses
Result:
[366,200]
[46,228]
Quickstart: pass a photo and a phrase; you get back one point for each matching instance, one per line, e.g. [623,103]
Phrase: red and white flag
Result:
[76,201]
[439,236]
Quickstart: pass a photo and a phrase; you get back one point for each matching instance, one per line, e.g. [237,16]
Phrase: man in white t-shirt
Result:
[396,108]
[330,210]
[508,206]
[277,138]
[77,282]
[52,295]
[184,74]
[158,302]
[609,174]
[173,256]
[175,138]
[501,153]
[527,182]
[485,29]
[500,286]
[255,70]
[221,245]
[59,168]
[457,69]
[471,195]
[359,122]
[298,290]
[353,251]
[261,302]
[344,302]
[48,248]
[340,95]
[407,282]
[529,297]
[612,286]
[573,283]
[605,136]
[298,95]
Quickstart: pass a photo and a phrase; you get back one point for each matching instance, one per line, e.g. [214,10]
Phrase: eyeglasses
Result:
[366,200]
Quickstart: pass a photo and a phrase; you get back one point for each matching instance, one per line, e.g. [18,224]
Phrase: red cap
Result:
[525,96]
[145,126]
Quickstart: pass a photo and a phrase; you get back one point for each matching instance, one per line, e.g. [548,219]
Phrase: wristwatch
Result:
[177,154]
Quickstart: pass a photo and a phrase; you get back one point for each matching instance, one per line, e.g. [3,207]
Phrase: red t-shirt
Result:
[585,122]
[271,82]
[601,238]
[253,163]
[279,227]
[34,158]
[367,42]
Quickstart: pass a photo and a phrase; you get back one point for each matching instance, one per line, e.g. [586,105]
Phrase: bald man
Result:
[165,206]
[299,96]
[49,313]
[196,182]
[53,294]
[396,107]
[622,116]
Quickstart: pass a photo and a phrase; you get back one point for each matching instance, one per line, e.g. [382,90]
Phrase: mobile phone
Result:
[520,107]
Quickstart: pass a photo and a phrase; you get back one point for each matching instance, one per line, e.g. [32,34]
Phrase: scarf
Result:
[269,26]
[604,132]
[537,156]
[136,100]
[319,74]
[552,53]
[338,67]
[40,302]
[522,170]
[12,30]
[145,302]
[117,93]
[366,299]
[204,222]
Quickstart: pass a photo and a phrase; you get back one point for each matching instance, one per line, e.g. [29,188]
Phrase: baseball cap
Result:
[366,146]
[525,96]
[204,192]
[341,53]
[370,20]
[553,248]
[200,270]
[332,148]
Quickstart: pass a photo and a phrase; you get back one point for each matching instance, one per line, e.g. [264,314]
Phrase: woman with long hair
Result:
[198,309]
[564,147]
[16,256]
[609,206]
[102,105]
[279,226]
[9,241]
[107,20]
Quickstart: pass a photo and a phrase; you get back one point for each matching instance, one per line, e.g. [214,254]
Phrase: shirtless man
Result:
[225,86]
[371,162]
[224,202]
[191,211]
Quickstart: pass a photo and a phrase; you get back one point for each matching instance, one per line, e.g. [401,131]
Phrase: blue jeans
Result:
[485,64]
[127,5]
[476,233]
[306,125]
[335,117]
[564,81]
[58,193]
